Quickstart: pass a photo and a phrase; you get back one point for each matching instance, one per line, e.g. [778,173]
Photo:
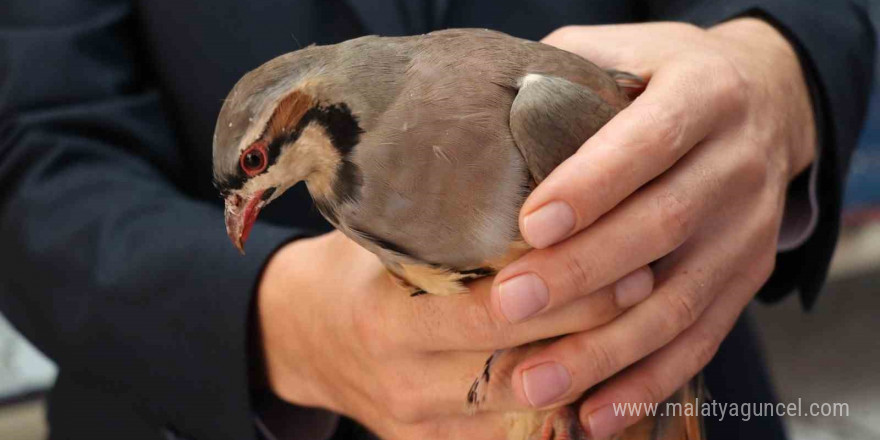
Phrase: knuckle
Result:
[603,189]
[667,129]
[676,218]
[651,390]
[752,172]
[578,273]
[730,86]
[726,87]
[683,308]
[598,361]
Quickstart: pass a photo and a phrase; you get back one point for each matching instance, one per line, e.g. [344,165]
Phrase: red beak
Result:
[241,213]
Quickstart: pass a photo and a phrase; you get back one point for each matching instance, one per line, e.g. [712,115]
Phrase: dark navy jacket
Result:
[114,256]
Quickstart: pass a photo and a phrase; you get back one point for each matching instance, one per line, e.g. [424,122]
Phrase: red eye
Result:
[254,160]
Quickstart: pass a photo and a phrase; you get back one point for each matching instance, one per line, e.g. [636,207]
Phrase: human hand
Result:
[339,333]
[692,177]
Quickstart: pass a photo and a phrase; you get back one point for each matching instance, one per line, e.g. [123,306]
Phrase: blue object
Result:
[863,184]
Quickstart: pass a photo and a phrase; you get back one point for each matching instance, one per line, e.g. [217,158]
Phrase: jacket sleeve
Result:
[108,266]
[834,40]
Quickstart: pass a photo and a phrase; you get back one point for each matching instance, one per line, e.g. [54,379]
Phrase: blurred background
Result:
[830,354]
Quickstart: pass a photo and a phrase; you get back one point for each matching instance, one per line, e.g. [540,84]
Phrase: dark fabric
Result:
[115,262]
[351,430]
[841,106]
[737,376]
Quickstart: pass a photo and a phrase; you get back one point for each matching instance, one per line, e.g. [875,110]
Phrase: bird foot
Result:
[562,424]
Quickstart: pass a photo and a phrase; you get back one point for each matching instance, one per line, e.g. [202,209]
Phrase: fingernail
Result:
[522,296]
[603,423]
[548,225]
[633,288]
[545,383]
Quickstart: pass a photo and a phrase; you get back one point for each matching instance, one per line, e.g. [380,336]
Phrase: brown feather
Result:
[288,113]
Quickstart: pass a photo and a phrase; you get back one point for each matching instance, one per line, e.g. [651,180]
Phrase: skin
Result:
[691,178]
[400,365]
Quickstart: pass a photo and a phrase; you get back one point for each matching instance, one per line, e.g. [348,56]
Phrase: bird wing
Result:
[551,118]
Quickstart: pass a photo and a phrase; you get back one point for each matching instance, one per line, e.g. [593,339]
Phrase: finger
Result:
[519,297]
[752,254]
[471,322]
[647,226]
[688,281]
[683,103]
[657,377]
[568,367]
[433,384]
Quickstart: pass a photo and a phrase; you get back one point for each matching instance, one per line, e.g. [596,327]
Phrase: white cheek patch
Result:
[322,159]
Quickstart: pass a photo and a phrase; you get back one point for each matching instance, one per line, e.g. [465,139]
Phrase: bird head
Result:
[279,126]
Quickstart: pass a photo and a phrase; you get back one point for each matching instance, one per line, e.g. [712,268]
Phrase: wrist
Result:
[768,58]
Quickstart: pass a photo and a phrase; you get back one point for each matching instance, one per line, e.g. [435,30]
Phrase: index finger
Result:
[469,322]
[679,108]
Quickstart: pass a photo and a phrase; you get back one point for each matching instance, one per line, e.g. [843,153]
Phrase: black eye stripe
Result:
[341,125]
